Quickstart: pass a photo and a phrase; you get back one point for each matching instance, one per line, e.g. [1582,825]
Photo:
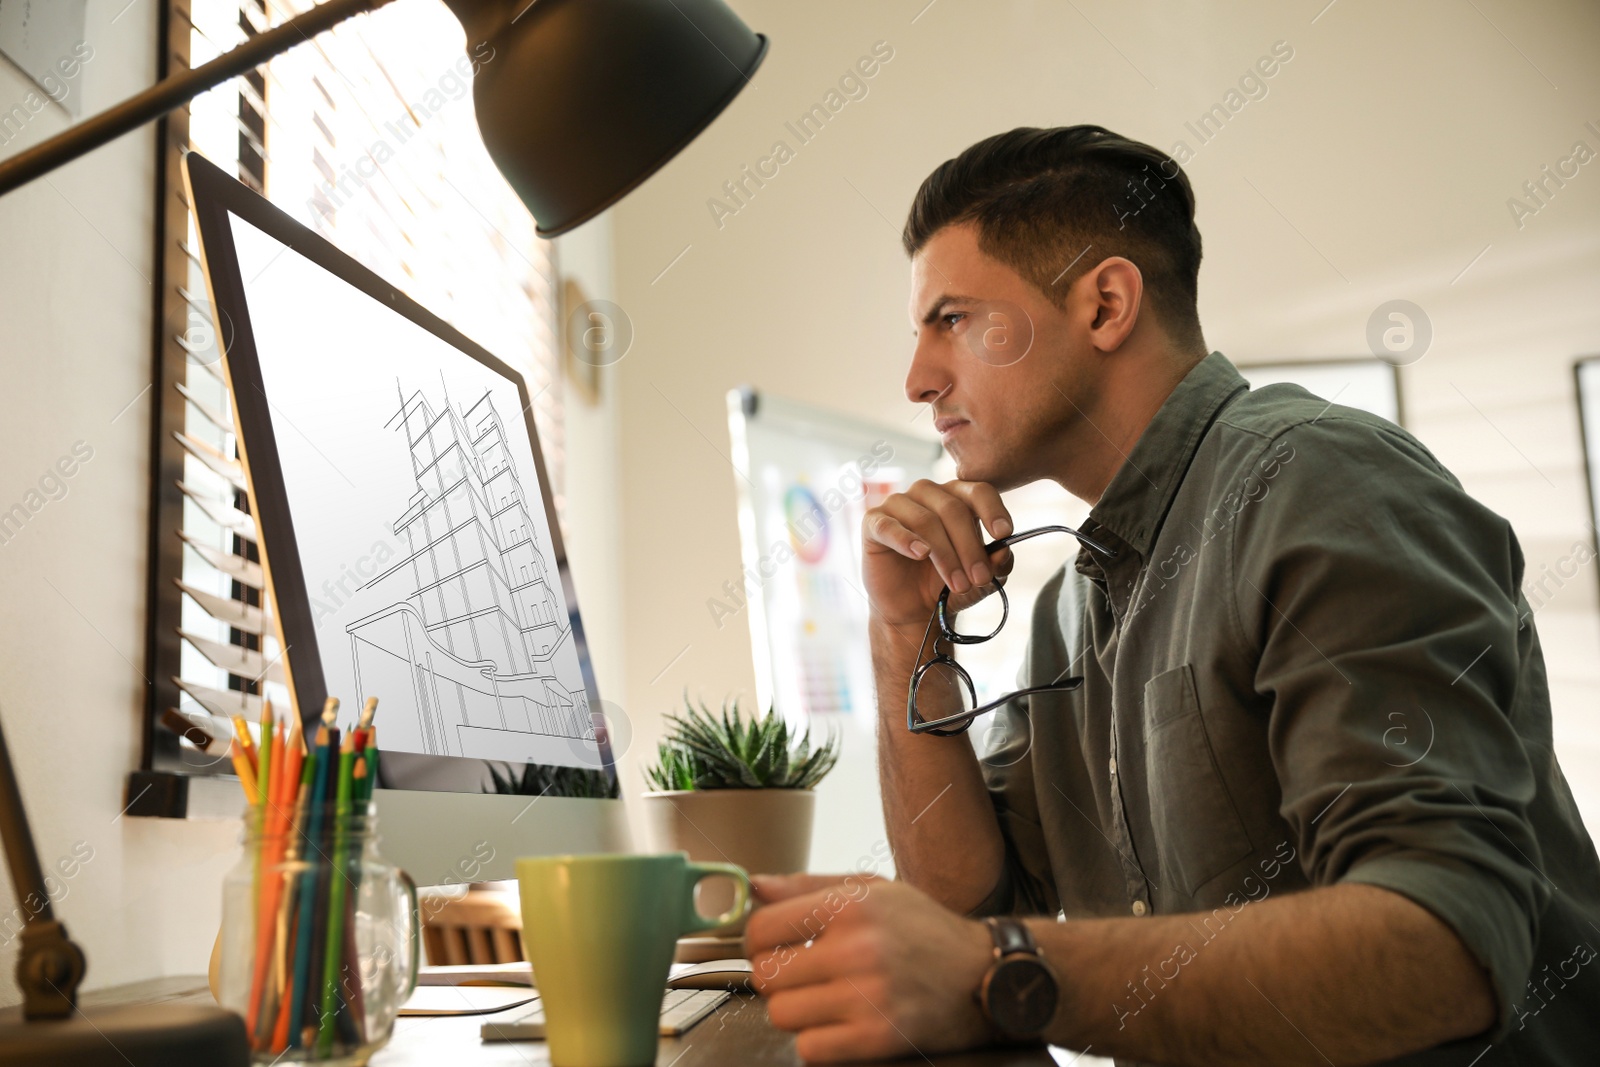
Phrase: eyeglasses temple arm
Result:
[995,546]
[967,716]
[1053,687]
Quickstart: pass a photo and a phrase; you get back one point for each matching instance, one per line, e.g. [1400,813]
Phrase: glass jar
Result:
[319,943]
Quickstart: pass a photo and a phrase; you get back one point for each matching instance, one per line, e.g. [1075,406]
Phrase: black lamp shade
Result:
[582,100]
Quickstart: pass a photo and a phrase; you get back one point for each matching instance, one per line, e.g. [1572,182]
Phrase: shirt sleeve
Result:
[1026,885]
[1383,603]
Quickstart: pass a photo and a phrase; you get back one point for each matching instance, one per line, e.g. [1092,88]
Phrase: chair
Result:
[479,926]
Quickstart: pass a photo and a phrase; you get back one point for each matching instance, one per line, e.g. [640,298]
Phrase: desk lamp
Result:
[582,101]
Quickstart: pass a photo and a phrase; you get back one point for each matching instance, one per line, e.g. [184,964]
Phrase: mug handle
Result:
[695,922]
[416,931]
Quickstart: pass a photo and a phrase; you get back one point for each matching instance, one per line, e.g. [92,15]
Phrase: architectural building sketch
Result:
[471,654]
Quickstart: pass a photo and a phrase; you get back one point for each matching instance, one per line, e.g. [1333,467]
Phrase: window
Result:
[367,135]
[1368,384]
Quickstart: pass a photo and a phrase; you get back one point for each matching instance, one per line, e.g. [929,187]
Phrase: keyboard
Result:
[680,1009]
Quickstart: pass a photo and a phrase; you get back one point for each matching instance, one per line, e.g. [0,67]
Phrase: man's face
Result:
[1000,365]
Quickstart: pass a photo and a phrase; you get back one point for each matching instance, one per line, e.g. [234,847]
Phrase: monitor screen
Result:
[405,521]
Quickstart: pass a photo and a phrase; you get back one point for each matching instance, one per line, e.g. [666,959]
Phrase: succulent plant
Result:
[539,780]
[732,750]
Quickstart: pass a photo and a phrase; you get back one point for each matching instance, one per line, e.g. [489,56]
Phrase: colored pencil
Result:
[304,759]
[264,766]
[373,779]
[334,938]
[291,934]
[352,1001]
[241,731]
[267,881]
[324,871]
[354,995]
[301,973]
[264,787]
[246,773]
[287,760]
[294,892]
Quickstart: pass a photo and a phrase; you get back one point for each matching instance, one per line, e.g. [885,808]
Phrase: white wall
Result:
[1377,167]
[75,306]
[593,527]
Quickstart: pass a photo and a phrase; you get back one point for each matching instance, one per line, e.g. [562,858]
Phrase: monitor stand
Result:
[441,838]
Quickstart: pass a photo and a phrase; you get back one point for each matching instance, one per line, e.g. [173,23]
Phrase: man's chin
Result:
[1000,475]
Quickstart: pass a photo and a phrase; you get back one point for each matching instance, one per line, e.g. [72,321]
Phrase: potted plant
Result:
[735,788]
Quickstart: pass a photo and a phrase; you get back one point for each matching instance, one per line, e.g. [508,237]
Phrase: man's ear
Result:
[1114,292]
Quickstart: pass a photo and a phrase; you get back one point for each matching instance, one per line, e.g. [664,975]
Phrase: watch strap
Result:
[1011,936]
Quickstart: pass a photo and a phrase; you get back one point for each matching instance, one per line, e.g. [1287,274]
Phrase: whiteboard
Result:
[808,475]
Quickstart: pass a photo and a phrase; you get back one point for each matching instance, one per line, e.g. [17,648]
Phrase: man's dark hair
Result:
[1051,204]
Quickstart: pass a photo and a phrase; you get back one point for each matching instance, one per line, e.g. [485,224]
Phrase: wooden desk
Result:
[736,1034]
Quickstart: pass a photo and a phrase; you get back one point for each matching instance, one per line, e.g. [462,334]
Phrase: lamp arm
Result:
[171,92]
[27,877]
[50,966]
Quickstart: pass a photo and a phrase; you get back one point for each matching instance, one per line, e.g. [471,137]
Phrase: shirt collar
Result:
[1136,501]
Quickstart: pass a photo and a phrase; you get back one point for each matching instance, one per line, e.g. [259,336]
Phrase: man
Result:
[1303,807]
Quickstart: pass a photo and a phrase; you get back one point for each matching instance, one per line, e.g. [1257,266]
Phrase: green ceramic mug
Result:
[600,933]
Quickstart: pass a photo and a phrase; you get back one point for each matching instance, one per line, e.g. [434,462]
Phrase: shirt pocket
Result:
[1198,830]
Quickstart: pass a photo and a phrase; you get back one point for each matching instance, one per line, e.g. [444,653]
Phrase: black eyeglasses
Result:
[943,673]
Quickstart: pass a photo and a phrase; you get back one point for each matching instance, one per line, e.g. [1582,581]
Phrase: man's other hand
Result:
[917,542]
[862,968]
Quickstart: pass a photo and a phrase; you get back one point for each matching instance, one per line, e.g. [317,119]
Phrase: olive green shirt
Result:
[1309,662]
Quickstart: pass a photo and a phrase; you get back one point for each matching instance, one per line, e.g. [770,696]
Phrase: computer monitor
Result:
[410,547]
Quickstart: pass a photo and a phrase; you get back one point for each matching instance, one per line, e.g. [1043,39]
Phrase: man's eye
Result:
[953,317]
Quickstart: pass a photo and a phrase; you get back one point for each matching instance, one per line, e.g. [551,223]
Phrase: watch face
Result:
[1021,995]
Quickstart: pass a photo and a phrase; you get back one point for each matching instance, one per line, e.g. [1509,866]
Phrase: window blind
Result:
[367,135]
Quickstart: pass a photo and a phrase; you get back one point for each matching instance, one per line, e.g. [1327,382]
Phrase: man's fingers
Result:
[835,1043]
[984,500]
[814,1005]
[945,524]
[961,527]
[837,1023]
[863,1038]
[797,919]
[770,888]
[849,951]
[930,529]
[886,530]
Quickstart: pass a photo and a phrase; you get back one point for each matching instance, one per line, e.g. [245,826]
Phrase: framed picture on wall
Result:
[1366,383]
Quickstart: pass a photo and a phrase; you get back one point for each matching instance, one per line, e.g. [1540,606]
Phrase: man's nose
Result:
[927,379]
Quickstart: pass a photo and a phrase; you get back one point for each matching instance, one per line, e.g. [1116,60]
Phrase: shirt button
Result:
[1139,907]
[1113,765]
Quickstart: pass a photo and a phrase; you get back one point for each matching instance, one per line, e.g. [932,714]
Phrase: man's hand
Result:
[917,542]
[862,968]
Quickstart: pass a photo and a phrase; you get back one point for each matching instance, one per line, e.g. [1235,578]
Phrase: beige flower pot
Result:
[765,831]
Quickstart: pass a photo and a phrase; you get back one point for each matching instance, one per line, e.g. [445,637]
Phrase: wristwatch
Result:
[1019,992]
